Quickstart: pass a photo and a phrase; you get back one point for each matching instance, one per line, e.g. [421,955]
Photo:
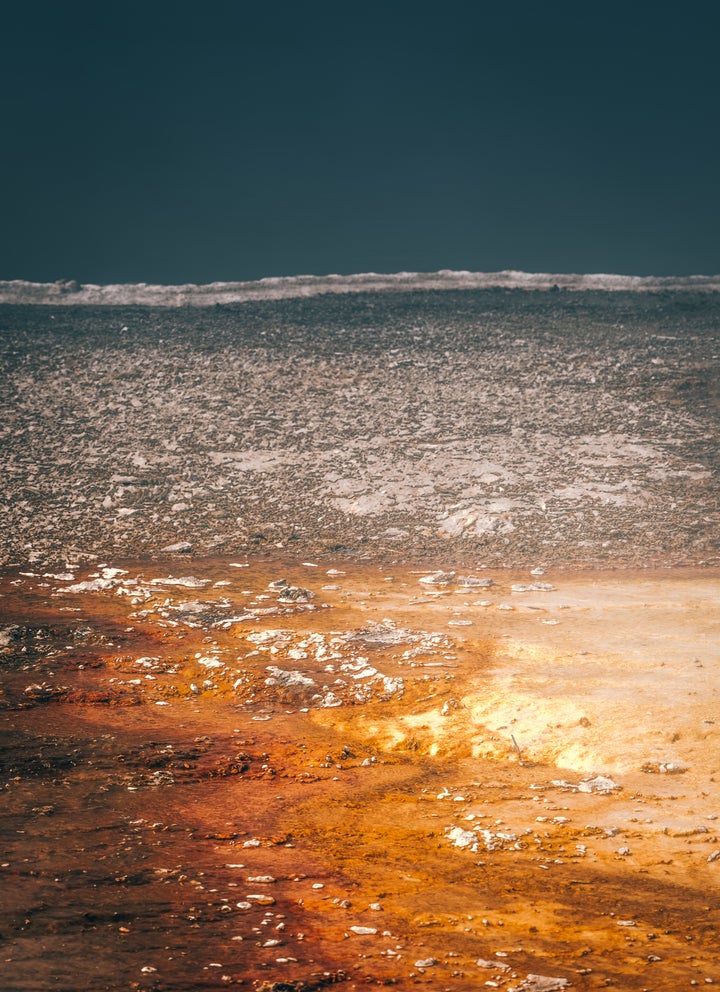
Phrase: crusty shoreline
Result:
[507,428]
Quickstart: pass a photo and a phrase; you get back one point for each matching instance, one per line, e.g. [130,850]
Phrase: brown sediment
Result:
[379,783]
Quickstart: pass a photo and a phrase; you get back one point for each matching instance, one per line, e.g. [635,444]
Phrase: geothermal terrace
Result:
[361,640]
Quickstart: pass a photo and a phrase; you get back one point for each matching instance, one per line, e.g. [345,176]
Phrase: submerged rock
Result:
[540,983]
[382,633]
[260,899]
[186,581]
[533,587]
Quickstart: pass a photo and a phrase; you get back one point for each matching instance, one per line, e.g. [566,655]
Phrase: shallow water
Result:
[168,748]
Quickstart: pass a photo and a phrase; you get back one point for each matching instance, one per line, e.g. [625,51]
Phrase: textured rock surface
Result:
[504,426]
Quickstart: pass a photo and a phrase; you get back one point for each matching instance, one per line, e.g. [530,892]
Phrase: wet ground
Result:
[286,776]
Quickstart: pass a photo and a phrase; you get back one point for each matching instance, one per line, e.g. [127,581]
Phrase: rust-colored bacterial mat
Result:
[288,776]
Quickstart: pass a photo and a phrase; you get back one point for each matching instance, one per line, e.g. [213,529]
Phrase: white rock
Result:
[265,636]
[91,585]
[287,679]
[187,581]
[473,582]
[210,663]
[492,965]
[598,784]
[439,578]
[495,841]
[462,838]
[673,768]
[330,700]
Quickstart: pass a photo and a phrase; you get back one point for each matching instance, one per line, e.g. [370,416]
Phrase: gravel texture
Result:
[506,427]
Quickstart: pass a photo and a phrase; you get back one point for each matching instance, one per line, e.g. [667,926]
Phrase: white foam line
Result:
[288,287]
